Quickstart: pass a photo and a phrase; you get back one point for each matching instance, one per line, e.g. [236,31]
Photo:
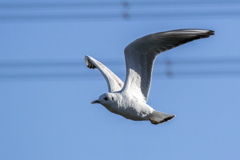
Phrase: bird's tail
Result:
[160,117]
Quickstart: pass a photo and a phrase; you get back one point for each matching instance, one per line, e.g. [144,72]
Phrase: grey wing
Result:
[141,53]
[114,83]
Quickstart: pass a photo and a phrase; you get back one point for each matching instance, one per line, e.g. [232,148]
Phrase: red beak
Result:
[96,101]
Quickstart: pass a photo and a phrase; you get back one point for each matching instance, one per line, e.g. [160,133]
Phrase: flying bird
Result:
[129,99]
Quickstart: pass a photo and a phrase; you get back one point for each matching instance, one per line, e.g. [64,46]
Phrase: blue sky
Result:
[52,118]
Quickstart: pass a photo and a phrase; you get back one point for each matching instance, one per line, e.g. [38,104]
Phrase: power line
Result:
[117,62]
[94,76]
[74,69]
[115,16]
[111,4]
[117,10]
[38,63]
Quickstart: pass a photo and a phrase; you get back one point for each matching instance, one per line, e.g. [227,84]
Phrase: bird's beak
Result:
[96,101]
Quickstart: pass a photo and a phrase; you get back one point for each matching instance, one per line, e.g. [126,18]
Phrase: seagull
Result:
[129,99]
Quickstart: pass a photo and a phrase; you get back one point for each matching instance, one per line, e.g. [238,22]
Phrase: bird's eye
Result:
[105,98]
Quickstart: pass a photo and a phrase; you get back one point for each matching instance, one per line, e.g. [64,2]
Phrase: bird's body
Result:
[128,106]
[130,99]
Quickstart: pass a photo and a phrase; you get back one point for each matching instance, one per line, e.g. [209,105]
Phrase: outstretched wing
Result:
[114,83]
[141,53]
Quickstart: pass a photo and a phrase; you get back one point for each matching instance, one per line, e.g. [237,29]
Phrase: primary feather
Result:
[141,53]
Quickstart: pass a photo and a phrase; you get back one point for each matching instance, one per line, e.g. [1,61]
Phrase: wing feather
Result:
[113,81]
[141,54]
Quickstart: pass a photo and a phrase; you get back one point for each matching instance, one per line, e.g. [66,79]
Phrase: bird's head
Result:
[105,99]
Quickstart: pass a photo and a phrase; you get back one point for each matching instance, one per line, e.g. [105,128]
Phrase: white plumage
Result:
[129,99]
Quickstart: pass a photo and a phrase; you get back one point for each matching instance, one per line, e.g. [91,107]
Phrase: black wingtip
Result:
[205,34]
[89,63]
[211,32]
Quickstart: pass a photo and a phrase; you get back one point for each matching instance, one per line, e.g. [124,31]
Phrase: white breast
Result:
[131,108]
